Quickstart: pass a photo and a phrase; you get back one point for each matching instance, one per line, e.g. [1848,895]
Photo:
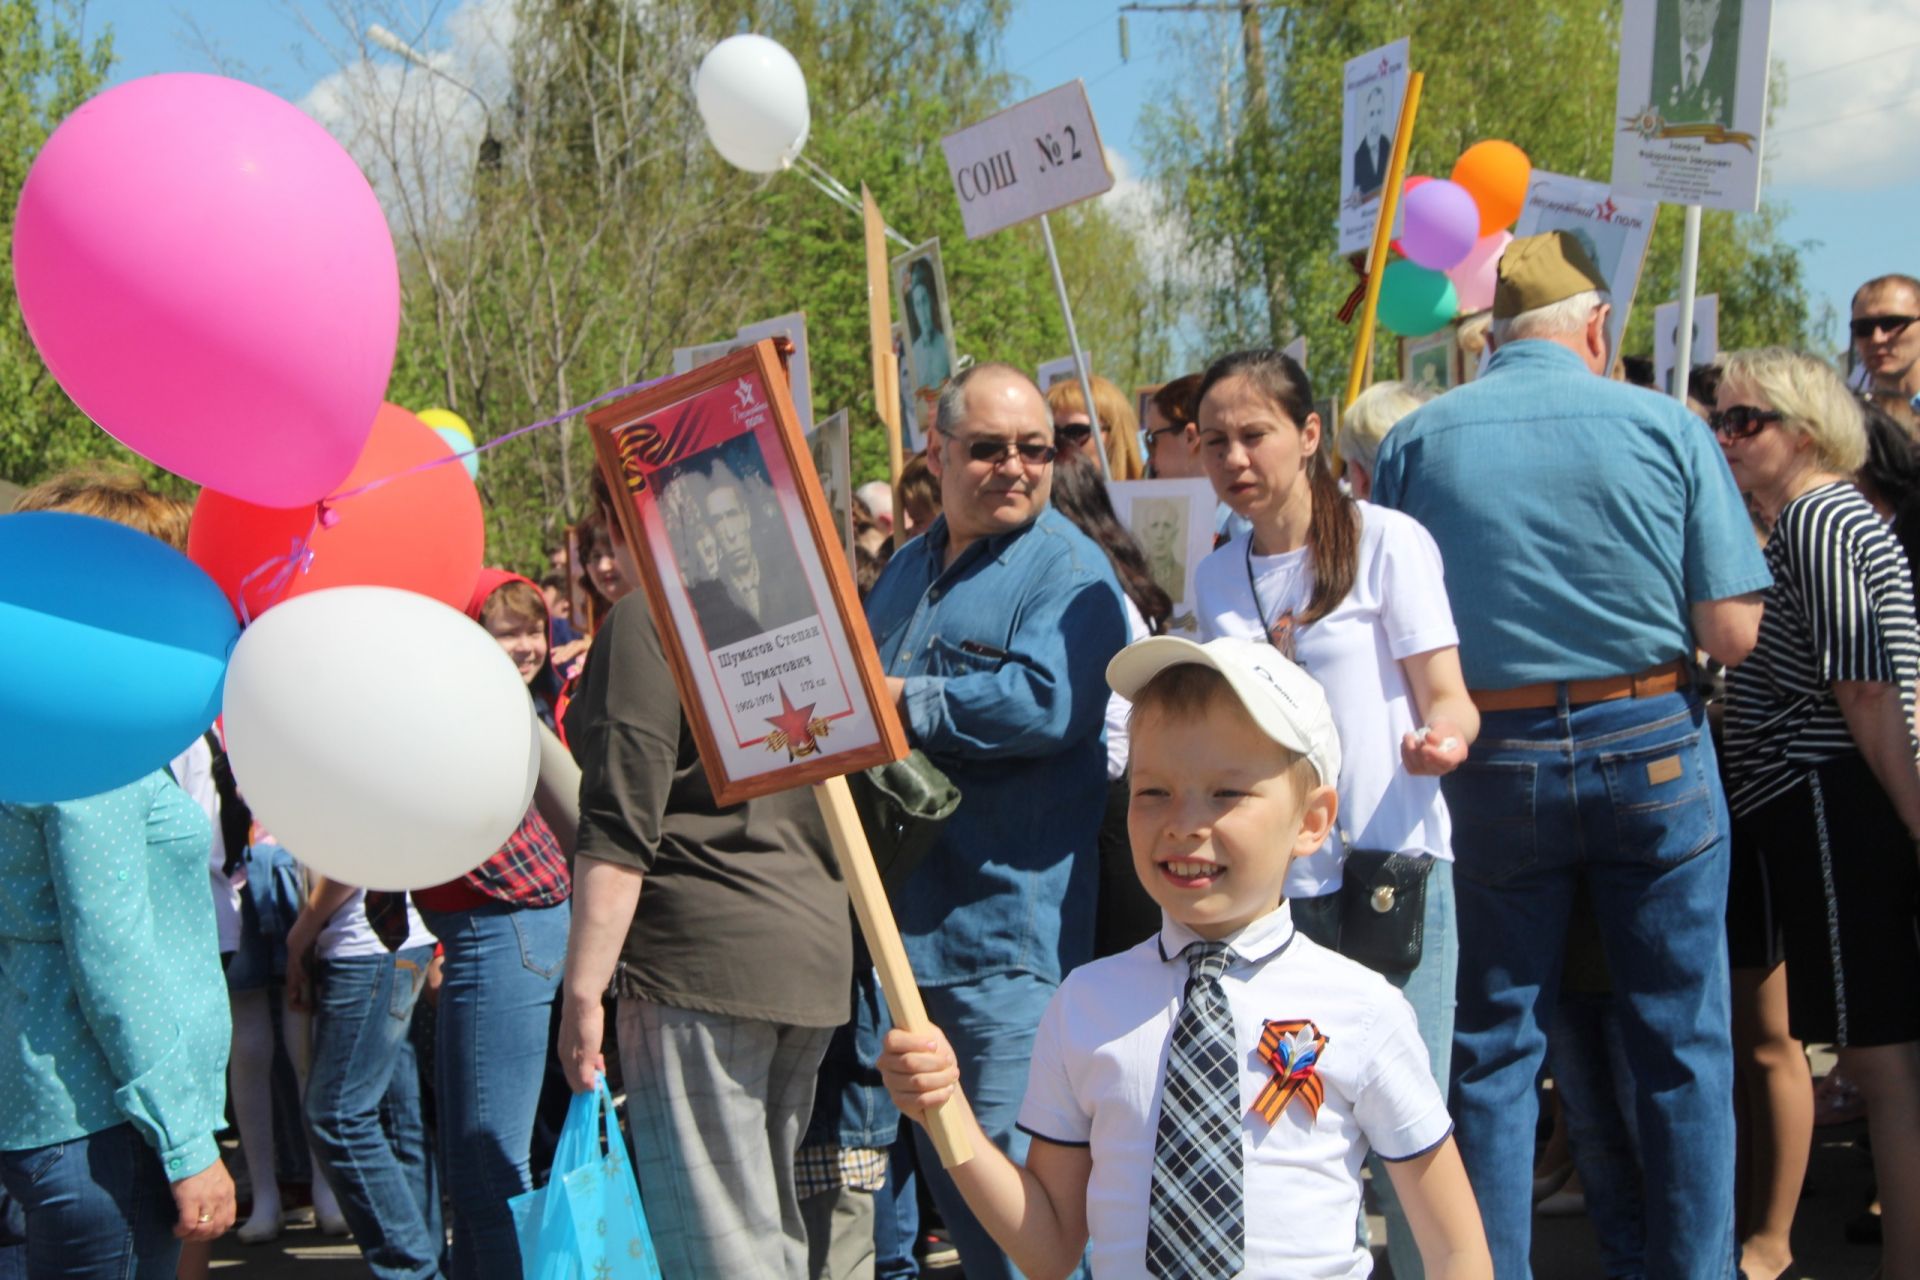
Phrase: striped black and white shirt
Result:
[1840,608]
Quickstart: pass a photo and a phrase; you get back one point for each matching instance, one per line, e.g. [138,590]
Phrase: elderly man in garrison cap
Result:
[1593,540]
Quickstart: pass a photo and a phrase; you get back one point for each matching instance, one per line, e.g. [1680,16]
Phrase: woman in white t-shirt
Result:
[1354,593]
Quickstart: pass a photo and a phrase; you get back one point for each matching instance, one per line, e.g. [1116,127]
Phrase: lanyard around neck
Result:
[1280,633]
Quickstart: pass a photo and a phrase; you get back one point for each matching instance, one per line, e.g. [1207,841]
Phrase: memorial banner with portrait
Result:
[920,283]
[1372,87]
[1173,521]
[1666,338]
[792,327]
[1615,231]
[1691,104]
[832,448]
[1427,363]
[777,672]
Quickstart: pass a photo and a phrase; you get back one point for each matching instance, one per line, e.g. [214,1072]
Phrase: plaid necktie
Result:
[387,917]
[1196,1212]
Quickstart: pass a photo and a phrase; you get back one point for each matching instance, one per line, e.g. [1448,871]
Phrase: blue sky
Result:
[1842,158]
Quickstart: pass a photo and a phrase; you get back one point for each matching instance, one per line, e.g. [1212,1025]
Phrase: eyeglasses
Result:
[1869,326]
[1074,433]
[1032,452]
[1178,428]
[1742,422]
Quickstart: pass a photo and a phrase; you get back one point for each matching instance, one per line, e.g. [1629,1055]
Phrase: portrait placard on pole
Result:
[1173,521]
[1703,347]
[1032,158]
[1691,105]
[1372,89]
[719,500]
[792,327]
[920,281]
[1615,231]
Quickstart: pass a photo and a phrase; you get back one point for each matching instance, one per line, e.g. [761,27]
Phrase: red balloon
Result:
[420,532]
[1412,181]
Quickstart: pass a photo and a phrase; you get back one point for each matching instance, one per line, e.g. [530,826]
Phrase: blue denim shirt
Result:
[1578,518]
[1005,656]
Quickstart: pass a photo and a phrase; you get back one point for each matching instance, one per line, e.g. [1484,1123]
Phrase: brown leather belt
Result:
[1651,683]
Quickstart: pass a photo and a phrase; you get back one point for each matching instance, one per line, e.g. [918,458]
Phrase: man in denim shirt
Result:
[1593,538]
[995,628]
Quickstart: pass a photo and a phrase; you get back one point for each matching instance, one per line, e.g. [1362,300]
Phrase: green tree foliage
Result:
[1250,192]
[46,70]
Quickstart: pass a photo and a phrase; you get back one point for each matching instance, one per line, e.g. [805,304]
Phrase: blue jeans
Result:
[95,1208]
[1429,989]
[1624,796]
[991,1024]
[498,985]
[363,1106]
[896,1213]
[1592,1066]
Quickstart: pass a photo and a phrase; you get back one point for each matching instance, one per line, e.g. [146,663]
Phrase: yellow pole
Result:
[1383,237]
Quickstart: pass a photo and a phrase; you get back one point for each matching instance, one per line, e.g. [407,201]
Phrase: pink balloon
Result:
[1442,222]
[1478,272]
[209,276]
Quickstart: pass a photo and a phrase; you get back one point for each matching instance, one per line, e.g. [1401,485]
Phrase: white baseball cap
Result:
[1286,703]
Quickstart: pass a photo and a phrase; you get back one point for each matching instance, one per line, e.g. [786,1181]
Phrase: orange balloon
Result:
[1495,173]
[422,532]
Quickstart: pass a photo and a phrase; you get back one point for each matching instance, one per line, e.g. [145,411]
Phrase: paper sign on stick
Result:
[1036,156]
[1614,230]
[1690,110]
[1666,337]
[1372,87]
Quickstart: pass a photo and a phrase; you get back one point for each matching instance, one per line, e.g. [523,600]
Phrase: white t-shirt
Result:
[1097,1075]
[347,934]
[193,770]
[1118,708]
[1397,608]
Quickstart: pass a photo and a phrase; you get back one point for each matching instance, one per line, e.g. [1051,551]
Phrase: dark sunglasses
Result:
[1031,452]
[1742,422]
[1868,326]
[1178,428]
[1074,433]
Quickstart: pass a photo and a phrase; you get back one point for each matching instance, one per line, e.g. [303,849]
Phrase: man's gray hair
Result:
[1569,315]
[951,408]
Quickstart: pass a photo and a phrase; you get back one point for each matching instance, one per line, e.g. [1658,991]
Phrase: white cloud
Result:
[417,131]
[1852,115]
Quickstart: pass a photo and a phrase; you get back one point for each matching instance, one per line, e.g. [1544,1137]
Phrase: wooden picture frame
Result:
[1427,363]
[723,511]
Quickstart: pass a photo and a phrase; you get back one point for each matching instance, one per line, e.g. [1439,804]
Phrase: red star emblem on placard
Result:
[792,728]
[1606,209]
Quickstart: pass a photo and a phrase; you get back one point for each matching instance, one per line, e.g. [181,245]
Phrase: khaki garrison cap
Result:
[1538,271]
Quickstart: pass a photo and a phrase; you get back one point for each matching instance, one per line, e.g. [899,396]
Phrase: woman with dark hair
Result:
[1355,594]
[1890,480]
[1125,915]
[928,341]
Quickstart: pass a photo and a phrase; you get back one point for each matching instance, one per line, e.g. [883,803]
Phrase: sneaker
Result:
[938,1251]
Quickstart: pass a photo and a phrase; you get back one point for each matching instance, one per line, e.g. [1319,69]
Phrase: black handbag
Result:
[1383,909]
[902,804]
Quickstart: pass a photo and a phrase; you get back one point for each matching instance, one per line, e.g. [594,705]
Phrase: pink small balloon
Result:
[1441,224]
[1477,273]
[209,276]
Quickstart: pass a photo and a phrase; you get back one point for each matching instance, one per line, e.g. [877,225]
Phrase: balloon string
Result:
[494,443]
[299,556]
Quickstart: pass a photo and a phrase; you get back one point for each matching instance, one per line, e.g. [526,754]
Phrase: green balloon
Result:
[1415,301]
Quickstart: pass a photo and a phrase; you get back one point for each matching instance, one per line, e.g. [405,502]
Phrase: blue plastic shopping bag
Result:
[586,1223]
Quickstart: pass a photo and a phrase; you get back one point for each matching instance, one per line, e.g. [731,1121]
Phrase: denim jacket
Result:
[1005,655]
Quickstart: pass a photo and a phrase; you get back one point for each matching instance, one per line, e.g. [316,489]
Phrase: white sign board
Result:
[1371,90]
[1061,370]
[1036,156]
[1614,230]
[1296,351]
[1173,521]
[1666,337]
[793,327]
[1691,105]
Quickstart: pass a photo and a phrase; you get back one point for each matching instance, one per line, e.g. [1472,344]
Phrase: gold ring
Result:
[206,1217]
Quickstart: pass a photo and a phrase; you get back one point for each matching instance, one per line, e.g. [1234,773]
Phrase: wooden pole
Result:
[1382,238]
[875,914]
[886,369]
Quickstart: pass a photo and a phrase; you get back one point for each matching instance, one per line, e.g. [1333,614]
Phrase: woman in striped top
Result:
[1821,773]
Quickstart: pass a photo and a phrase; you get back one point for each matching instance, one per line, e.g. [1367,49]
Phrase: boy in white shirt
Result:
[1201,1104]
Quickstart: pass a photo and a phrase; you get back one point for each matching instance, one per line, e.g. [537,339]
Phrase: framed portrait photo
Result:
[920,283]
[1426,364]
[723,510]
[1172,520]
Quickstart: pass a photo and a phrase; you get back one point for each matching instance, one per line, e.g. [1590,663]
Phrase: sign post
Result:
[886,369]
[1036,156]
[1689,275]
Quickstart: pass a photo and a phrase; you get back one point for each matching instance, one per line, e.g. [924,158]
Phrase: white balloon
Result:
[384,739]
[753,99]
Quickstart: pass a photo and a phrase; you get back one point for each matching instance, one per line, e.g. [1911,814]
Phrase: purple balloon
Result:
[1441,224]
